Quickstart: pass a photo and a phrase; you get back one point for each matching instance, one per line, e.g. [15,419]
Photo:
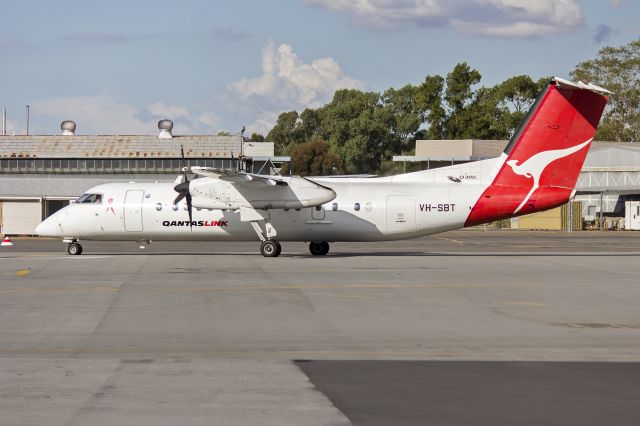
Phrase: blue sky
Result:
[117,67]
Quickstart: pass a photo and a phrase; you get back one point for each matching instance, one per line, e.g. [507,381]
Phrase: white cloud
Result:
[286,83]
[493,18]
[159,109]
[104,115]
[95,114]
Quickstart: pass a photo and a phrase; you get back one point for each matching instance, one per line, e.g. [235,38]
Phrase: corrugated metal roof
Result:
[115,146]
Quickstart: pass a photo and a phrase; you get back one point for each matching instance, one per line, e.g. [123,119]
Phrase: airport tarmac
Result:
[458,328]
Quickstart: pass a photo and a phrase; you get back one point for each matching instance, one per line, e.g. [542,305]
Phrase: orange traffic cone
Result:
[6,242]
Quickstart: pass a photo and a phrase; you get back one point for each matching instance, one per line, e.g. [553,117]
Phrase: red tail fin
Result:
[545,156]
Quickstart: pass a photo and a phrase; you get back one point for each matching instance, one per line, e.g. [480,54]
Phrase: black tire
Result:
[269,248]
[319,248]
[325,247]
[74,249]
[279,249]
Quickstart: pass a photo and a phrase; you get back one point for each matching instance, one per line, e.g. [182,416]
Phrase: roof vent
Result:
[165,126]
[68,128]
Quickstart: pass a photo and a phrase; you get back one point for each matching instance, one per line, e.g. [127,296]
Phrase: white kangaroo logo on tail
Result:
[535,165]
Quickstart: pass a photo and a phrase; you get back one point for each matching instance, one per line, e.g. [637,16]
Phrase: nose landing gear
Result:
[270,248]
[74,249]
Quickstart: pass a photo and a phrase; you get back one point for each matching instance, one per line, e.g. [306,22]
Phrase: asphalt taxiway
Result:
[458,327]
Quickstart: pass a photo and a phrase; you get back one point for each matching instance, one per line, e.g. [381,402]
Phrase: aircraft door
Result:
[401,214]
[133,210]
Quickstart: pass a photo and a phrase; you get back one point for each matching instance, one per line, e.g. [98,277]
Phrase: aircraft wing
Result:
[238,177]
[230,189]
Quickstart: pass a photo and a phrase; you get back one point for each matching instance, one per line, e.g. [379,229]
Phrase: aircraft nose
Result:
[48,228]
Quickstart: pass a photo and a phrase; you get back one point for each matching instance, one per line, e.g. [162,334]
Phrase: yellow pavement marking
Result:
[22,273]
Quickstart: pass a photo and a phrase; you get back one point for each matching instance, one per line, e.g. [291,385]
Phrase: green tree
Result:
[460,98]
[283,133]
[256,137]
[430,104]
[353,126]
[402,113]
[617,69]
[314,158]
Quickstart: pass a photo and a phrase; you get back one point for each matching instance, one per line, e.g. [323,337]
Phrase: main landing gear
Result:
[74,249]
[319,248]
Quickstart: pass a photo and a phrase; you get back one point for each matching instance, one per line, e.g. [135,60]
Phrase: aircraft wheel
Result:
[319,249]
[279,249]
[74,249]
[270,248]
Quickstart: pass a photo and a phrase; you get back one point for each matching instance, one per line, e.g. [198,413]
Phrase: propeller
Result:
[183,189]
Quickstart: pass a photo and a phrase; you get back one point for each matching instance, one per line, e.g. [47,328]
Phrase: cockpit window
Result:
[89,199]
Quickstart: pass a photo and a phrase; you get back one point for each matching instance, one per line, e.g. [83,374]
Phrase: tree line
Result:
[359,132]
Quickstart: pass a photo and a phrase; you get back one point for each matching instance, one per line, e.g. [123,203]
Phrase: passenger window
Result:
[334,207]
[356,207]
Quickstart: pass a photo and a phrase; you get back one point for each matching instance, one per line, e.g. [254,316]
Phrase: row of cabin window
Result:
[97,199]
[356,207]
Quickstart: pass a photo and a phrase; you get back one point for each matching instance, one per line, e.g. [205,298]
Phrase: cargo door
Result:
[133,210]
[401,214]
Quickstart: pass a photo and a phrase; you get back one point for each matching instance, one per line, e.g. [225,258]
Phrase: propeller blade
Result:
[179,198]
[182,189]
[190,210]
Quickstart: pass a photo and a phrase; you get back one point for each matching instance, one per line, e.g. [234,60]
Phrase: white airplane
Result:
[537,171]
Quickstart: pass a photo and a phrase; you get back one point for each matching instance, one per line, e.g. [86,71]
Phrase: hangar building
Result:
[41,174]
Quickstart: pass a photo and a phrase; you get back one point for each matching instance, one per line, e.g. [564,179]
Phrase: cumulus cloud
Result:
[492,18]
[286,83]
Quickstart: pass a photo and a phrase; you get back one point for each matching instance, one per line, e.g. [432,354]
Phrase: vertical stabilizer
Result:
[544,158]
